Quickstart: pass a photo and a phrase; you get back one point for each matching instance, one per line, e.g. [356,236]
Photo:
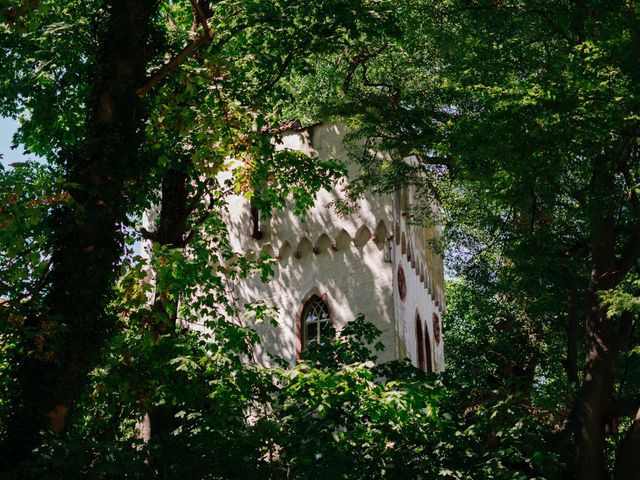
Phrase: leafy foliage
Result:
[235,420]
[521,119]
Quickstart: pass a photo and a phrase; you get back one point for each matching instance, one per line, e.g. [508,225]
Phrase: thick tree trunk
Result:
[174,209]
[595,396]
[88,236]
[601,339]
[170,232]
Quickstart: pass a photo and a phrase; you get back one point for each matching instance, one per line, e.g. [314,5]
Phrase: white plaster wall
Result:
[355,278]
[424,275]
[353,281]
[323,142]
[418,300]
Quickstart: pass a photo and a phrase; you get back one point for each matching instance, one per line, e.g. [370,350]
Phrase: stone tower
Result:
[331,268]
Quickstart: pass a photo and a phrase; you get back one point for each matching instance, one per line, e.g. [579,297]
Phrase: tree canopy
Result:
[524,119]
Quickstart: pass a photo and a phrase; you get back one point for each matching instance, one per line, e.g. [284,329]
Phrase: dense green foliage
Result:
[236,420]
[523,117]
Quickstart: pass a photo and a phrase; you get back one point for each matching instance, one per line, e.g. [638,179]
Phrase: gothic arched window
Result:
[427,347]
[423,346]
[315,321]
[419,342]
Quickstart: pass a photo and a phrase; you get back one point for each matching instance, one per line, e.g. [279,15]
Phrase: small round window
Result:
[437,335]
[402,283]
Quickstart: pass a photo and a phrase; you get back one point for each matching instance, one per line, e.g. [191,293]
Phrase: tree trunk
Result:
[87,239]
[595,396]
[600,336]
[174,208]
[170,232]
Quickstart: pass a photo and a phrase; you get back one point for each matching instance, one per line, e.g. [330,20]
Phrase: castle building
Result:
[330,268]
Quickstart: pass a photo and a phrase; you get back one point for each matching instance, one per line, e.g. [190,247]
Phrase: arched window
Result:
[423,346]
[419,342]
[427,347]
[315,321]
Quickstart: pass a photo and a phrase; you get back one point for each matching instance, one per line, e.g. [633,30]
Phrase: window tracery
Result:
[315,321]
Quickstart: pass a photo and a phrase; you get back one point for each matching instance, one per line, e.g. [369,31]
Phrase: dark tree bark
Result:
[603,339]
[171,231]
[174,210]
[599,361]
[595,394]
[88,239]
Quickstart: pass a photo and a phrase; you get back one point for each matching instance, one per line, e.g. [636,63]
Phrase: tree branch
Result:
[623,408]
[283,69]
[356,62]
[212,202]
[172,65]
[202,17]
[147,235]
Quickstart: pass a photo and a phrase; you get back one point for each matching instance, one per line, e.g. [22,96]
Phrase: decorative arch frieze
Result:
[342,241]
[304,248]
[323,244]
[380,234]
[267,249]
[362,236]
[284,252]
